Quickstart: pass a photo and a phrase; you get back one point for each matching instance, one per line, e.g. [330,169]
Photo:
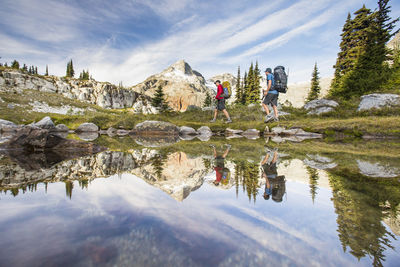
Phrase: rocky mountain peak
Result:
[180,66]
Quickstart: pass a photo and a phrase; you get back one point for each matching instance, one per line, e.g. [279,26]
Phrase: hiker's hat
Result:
[217,81]
[268,70]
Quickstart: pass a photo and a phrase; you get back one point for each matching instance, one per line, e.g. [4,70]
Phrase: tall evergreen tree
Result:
[245,88]
[250,85]
[47,71]
[239,92]
[315,85]
[70,69]
[15,64]
[36,70]
[25,68]
[159,101]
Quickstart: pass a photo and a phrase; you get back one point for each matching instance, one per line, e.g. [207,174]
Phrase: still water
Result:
[222,203]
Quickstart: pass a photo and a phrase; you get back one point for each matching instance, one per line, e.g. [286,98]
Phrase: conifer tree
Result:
[70,69]
[158,101]
[250,85]
[207,100]
[5,64]
[245,88]
[47,71]
[36,70]
[238,88]
[15,64]
[25,68]
[315,85]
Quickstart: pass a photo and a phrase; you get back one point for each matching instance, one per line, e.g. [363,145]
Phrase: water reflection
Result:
[342,194]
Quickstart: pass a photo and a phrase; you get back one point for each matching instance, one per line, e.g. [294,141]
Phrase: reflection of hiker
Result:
[220,103]
[222,173]
[274,184]
[270,97]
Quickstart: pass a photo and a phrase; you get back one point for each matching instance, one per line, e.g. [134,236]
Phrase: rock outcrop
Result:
[87,127]
[378,101]
[181,85]
[320,106]
[103,94]
[377,169]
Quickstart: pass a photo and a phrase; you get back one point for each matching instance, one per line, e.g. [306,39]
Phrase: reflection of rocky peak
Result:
[179,175]
[181,85]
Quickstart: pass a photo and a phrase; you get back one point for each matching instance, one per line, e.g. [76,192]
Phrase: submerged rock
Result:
[7,126]
[319,162]
[229,131]
[378,101]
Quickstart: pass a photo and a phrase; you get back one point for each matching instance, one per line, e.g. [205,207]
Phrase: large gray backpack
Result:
[281,79]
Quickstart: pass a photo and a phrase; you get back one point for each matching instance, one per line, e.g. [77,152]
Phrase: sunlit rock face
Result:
[176,174]
[181,85]
[103,94]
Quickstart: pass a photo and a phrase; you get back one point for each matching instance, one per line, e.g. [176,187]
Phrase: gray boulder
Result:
[229,131]
[320,106]
[251,132]
[87,127]
[277,130]
[122,132]
[205,130]
[156,128]
[184,130]
[7,126]
[111,131]
[193,107]
[45,123]
[378,101]
[88,136]
[62,128]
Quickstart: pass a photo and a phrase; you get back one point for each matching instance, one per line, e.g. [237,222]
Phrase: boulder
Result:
[87,127]
[320,106]
[61,128]
[32,139]
[7,126]
[193,107]
[378,101]
[111,131]
[184,130]
[156,128]
[300,132]
[156,140]
[277,130]
[205,130]
[251,132]
[229,131]
[266,130]
[204,137]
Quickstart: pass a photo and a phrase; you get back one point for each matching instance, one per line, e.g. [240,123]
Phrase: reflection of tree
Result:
[207,163]
[157,162]
[84,184]
[313,181]
[69,186]
[359,204]
[246,175]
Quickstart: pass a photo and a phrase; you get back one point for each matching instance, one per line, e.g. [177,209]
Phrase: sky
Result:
[128,40]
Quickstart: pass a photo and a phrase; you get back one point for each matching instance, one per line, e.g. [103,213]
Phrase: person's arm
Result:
[269,84]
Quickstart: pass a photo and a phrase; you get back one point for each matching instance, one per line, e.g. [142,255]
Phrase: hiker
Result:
[220,103]
[222,173]
[274,184]
[270,97]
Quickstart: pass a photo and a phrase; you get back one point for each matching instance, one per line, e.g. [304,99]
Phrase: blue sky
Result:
[130,40]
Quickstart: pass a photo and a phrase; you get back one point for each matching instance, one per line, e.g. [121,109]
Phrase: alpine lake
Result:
[216,202]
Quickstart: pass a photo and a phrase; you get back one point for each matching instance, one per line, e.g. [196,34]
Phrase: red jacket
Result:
[220,91]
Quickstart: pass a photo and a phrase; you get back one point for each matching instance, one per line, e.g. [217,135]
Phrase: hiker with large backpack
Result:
[276,83]
[220,102]
[275,185]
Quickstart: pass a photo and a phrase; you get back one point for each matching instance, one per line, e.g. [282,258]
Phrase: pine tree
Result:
[25,68]
[315,86]
[239,91]
[70,69]
[15,64]
[250,85]
[84,75]
[36,70]
[158,101]
[207,100]
[245,88]
[313,182]
[47,71]
[257,87]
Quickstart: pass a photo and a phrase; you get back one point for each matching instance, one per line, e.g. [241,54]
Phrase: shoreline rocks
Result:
[378,101]
[320,106]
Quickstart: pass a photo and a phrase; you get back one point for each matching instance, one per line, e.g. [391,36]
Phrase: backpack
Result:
[280,78]
[227,90]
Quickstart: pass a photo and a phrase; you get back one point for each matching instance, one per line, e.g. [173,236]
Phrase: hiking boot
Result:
[229,121]
[268,118]
[213,120]
[276,119]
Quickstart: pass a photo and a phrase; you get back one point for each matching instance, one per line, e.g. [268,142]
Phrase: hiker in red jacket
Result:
[220,103]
